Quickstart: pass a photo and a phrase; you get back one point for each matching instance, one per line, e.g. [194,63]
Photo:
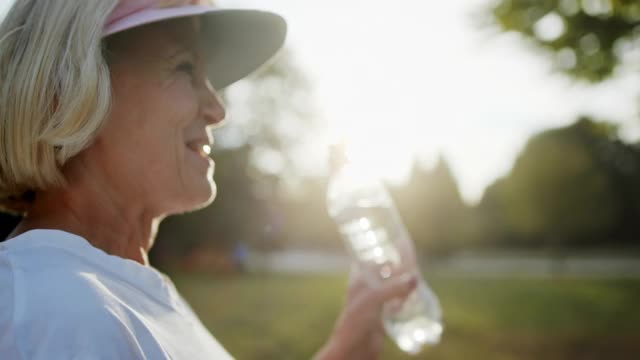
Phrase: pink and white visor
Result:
[239,41]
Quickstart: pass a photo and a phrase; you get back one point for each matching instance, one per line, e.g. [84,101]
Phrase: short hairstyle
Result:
[55,91]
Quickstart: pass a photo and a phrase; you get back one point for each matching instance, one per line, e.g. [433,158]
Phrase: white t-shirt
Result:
[62,298]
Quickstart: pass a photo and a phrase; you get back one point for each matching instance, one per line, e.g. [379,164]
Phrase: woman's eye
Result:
[187,68]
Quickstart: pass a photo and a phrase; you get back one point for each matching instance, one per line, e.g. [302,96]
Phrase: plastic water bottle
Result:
[382,249]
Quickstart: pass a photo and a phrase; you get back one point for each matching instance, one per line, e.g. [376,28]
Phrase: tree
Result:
[587,38]
[576,184]
[569,186]
[432,209]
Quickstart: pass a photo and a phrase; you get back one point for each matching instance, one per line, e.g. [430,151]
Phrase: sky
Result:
[417,80]
[412,80]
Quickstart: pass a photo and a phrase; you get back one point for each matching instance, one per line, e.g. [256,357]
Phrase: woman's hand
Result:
[359,333]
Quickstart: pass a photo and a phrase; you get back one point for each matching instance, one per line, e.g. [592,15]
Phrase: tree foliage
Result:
[569,186]
[432,209]
[588,38]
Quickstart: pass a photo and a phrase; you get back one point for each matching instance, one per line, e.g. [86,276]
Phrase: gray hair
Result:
[55,91]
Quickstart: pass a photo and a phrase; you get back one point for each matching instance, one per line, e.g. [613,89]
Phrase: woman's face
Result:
[154,143]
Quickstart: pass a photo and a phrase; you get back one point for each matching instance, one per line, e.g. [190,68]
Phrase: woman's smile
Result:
[200,149]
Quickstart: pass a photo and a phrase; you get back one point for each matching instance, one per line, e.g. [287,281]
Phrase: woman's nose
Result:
[212,106]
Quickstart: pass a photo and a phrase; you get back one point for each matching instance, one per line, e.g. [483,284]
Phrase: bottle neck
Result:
[337,158]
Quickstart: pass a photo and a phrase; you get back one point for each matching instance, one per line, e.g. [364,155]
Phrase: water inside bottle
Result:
[375,238]
[414,323]
[370,240]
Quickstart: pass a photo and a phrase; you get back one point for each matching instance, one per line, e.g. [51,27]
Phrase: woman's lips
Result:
[200,146]
[201,149]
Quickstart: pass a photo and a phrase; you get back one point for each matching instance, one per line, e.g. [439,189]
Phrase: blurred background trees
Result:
[572,186]
[585,39]
[576,185]
[573,190]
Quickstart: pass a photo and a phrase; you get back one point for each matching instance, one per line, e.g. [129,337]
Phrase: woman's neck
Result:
[92,214]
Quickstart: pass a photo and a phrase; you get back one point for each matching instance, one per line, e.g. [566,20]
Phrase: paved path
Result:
[462,265]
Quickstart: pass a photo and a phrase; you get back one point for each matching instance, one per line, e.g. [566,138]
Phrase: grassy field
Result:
[290,316]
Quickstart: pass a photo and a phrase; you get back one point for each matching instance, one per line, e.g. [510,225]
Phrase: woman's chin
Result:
[200,196]
[206,195]
[213,191]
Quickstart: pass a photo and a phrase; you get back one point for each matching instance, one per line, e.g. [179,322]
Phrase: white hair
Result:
[55,91]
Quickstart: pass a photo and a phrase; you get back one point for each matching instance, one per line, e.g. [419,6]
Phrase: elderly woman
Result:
[106,108]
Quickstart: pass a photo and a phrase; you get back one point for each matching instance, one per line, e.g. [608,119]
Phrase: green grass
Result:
[289,316]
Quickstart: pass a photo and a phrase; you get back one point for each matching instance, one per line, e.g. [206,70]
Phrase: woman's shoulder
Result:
[46,281]
[50,280]
[43,260]
[54,298]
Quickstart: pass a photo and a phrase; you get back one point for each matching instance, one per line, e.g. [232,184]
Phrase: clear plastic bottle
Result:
[382,249]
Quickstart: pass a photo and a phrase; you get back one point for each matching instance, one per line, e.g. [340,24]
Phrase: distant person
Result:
[105,112]
[240,256]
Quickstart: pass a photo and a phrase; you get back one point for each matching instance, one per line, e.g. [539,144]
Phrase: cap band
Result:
[127,8]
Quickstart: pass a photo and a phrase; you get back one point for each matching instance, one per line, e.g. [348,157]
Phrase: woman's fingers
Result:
[357,283]
[365,303]
[393,289]
[359,333]
[398,287]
